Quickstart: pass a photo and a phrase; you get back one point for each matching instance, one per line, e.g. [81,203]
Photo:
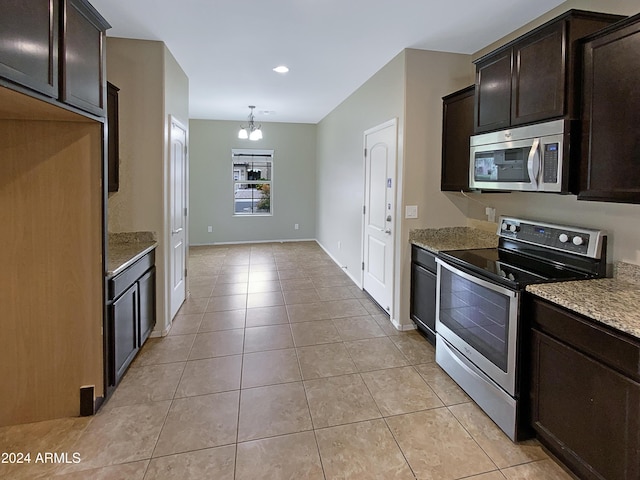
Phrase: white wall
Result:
[211,189]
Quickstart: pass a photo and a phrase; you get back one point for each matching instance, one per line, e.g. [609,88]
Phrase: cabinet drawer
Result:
[424,258]
[118,284]
[611,348]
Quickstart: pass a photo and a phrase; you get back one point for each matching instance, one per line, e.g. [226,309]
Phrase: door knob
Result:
[175,232]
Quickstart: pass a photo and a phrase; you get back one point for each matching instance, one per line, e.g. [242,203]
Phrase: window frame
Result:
[250,153]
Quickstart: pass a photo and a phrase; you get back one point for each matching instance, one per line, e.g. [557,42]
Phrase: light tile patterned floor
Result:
[278,367]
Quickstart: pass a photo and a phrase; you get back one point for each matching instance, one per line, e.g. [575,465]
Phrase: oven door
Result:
[480,319]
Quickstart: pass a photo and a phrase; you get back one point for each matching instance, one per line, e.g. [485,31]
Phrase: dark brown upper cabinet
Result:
[54,50]
[610,150]
[533,78]
[113,139]
[29,46]
[457,127]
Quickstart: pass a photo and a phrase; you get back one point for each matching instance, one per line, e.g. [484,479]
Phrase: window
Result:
[252,182]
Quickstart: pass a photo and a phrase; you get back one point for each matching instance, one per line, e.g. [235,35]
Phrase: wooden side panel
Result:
[51,277]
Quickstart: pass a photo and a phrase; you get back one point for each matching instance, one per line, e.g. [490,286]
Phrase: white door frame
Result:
[396,221]
[168,289]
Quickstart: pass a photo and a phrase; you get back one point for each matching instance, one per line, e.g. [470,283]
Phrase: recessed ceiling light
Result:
[281,69]
[267,112]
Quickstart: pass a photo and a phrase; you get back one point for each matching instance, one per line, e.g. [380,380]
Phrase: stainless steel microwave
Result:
[529,158]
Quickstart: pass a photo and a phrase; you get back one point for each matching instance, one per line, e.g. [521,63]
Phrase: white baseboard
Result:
[344,269]
[253,241]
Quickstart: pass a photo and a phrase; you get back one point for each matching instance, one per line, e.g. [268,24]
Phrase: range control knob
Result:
[513,228]
[504,226]
[564,238]
[578,240]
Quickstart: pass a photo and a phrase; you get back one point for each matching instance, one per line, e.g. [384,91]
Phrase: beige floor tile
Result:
[441,383]
[543,469]
[357,292]
[307,312]
[49,436]
[325,269]
[314,333]
[264,276]
[292,272]
[224,289]
[292,284]
[186,324]
[241,277]
[452,453]
[358,328]
[286,457]
[127,471]
[415,347]
[151,383]
[364,450]
[169,349]
[375,353]
[217,344]
[227,302]
[211,375]
[199,291]
[257,317]
[294,297]
[345,308]
[332,281]
[203,281]
[372,307]
[193,305]
[328,294]
[262,267]
[326,360]
[269,368]
[226,320]
[339,400]
[120,435]
[273,410]
[231,269]
[385,324]
[195,423]
[400,390]
[493,441]
[265,299]
[270,337]
[266,286]
[496,475]
[212,463]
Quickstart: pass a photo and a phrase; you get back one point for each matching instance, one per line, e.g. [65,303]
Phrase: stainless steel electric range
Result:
[478,323]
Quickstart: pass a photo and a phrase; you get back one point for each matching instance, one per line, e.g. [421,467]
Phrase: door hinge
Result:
[364,209]
[365,152]
[185,273]
[185,211]
[362,266]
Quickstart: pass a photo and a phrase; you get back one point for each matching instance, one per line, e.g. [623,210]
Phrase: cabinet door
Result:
[29,46]
[113,139]
[82,57]
[124,318]
[610,158]
[423,299]
[585,412]
[493,92]
[147,291]
[539,73]
[457,127]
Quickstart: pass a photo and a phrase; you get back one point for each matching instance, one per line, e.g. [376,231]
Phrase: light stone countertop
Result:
[452,238]
[612,301]
[126,248]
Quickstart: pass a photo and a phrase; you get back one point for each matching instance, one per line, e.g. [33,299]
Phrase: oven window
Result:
[477,315]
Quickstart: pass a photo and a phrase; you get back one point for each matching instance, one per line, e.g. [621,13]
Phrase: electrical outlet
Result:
[491,214]
[210,229]
[296,226]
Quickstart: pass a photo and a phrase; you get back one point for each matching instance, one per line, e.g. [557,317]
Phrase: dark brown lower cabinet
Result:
[423,291]
[585,395]
[131,316]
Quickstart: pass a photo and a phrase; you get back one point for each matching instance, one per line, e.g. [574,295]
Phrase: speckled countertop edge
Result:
[125,248]
[452,238]
[612,301]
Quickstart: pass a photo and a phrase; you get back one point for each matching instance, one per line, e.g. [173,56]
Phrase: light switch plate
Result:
[411,211]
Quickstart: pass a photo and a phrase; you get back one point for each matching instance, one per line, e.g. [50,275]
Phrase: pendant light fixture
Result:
[251,131]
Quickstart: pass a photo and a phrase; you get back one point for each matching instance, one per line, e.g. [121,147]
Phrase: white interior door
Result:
[178,215]
[380,172]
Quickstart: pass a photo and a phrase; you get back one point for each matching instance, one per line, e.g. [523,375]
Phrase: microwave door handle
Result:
[533,164]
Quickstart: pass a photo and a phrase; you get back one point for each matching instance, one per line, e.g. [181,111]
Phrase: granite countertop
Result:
[126,247]
[612,301]
[452,238]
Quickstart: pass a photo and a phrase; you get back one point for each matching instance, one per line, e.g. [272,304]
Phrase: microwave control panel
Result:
[575,240]
[550,163]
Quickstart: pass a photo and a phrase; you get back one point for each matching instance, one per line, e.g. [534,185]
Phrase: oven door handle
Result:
[475,279]
[533,164]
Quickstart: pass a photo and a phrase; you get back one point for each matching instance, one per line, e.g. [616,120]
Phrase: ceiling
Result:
[228,48]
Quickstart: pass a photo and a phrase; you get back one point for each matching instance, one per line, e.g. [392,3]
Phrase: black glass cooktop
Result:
[509,268]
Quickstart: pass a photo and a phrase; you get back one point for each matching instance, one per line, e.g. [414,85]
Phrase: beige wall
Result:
[152,86]
[340,164]
[620,220]
[211,189]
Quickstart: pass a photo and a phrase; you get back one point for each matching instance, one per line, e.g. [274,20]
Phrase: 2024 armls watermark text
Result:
[40,457]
